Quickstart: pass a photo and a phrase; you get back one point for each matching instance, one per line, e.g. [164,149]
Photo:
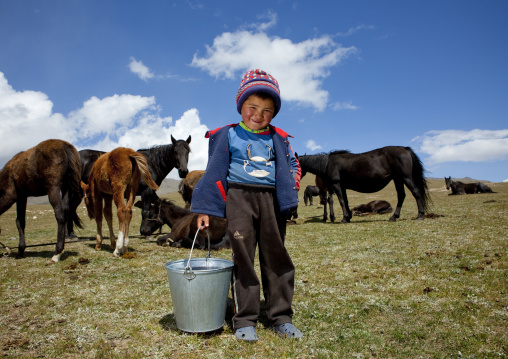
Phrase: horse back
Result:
[34,171]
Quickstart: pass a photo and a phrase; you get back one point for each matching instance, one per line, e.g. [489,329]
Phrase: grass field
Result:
[436,288]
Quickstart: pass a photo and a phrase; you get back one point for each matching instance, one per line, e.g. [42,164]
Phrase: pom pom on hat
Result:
[258,81]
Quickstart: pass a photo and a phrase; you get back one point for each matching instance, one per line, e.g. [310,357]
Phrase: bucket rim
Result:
[179,265]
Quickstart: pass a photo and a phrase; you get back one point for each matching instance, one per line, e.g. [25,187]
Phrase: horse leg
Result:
[98,220]
[120,212]
[329,199]
[108,214]
[69,228]
[61,213]
[418,197]
[401,194]
[128,216]
[325,213]
[20,224]
[341,195]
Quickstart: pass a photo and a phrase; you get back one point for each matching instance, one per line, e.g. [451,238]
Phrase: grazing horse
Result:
[187,186]
[114,176]
[161,160]
[458,187]
[373,207]
[370,172]
[53,168]
[310,191]
[183,227]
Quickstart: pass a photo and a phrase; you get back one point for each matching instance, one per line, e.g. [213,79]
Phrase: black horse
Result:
[370,172]
[459,187]
[161,160]
[183,226]
[310,191]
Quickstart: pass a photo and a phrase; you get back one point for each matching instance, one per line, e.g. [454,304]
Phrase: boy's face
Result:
[257,113]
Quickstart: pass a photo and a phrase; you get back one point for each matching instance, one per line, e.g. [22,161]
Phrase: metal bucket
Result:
[199,291]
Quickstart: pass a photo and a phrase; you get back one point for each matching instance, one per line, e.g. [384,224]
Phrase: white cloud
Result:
[300,68]
[312,145]
[110,114]
[353,30]
[464,146]
[338,106]
[138,68]
[26,119]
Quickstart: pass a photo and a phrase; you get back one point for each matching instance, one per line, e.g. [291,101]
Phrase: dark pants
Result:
[254,219]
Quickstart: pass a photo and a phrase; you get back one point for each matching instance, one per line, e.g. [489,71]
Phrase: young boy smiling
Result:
[252,179]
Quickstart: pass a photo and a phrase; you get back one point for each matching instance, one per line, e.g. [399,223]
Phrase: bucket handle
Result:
[188,273]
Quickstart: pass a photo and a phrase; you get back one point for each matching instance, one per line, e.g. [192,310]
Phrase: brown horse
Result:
[51,168]
[373,207]
[114,175]
[187,186]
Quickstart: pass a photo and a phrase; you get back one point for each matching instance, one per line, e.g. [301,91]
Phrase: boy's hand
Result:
[203,220]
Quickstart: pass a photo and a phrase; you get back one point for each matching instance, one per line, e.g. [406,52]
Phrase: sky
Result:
[353,75]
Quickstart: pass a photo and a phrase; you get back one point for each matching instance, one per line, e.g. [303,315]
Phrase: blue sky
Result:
[355,75]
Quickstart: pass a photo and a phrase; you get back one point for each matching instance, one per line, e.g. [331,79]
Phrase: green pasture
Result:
[436,288]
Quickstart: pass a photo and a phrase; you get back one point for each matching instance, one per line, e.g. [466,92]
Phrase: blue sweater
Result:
[209,196]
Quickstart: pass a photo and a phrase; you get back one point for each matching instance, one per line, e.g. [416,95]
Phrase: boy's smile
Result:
[257,112]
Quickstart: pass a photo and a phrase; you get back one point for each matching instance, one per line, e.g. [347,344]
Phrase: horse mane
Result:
[340,152]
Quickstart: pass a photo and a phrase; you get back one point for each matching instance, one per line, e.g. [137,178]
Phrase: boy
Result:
[252,179]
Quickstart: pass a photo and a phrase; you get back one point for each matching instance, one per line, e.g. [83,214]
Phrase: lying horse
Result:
[161,160]
[53,168]
[483,188]
[458,187]
[188,184]
[183,226]
[310,191]
[373,207]
[114,176]
[370,172]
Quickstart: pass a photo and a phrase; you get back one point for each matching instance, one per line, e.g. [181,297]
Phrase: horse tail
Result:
[143,168]
[73,180]
[418,174]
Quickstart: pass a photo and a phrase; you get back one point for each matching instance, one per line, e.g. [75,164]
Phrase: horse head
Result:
[181,151]
[151,221]
[448,182]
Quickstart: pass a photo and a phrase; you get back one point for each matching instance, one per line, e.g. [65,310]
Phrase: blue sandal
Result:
[247,334]
[287,330]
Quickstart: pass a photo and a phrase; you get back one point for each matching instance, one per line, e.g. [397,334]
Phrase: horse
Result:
[483,188]
[373,207]
[161,160]
[188,184]
[51,168]
[183,226]
[370,172]
[114,176]
[458,187]
[310,191]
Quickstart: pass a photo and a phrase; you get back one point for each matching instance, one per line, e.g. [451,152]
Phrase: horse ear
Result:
[173,139]
[188,139]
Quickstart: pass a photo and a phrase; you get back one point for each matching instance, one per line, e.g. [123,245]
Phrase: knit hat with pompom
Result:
[258,81]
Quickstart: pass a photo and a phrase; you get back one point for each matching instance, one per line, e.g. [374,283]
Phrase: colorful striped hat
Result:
[258,81]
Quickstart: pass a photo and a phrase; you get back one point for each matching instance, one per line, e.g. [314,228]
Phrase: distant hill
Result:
[167,186]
